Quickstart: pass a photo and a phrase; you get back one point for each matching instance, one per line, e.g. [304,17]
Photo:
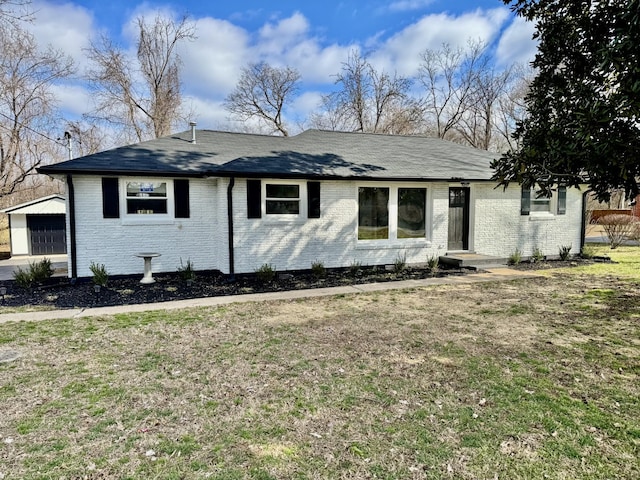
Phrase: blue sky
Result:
[315,37]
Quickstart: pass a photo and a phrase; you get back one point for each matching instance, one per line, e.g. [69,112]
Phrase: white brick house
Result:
[233,202]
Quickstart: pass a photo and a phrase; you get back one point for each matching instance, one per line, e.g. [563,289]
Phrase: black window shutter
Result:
[254,205]
[110,198]
[181,197]
[525,201]
[562,200]
[313,199]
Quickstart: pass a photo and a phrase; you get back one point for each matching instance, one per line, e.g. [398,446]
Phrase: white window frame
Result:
[543,214]
[152,218]
[284,217]
[393,241]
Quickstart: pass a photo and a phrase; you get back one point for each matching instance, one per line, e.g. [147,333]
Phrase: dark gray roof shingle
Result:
[311,154]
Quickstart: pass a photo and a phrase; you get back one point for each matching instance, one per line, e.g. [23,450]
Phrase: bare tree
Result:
[263,92]
[12,12]
[512,107]
[141,97]
[449,78]
[477,124]
[368,101]
[28,112]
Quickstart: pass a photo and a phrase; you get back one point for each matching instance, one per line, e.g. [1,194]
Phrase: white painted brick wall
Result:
[497,228]
[115,243]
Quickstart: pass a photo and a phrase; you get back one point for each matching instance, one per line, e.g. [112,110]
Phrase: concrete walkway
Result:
[491,275]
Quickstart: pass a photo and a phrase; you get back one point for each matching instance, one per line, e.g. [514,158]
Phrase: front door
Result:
[458,218]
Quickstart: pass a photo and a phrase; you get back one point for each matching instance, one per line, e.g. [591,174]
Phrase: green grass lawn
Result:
[534,378]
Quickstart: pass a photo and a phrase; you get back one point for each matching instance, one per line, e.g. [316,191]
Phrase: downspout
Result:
[232,182]
[72,227]
[583,230]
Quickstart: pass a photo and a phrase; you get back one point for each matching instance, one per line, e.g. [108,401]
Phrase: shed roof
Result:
[51,204]
[311,154]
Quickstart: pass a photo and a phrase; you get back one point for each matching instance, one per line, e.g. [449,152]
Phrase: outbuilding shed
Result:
[38,227]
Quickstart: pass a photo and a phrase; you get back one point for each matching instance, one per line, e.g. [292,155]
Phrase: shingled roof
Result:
[311,154]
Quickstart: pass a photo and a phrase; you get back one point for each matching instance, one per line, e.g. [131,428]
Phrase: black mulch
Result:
[127,290]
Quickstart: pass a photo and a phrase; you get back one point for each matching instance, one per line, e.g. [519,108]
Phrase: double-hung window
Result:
[392,213]
[146,197]
[282,199]
[532,204]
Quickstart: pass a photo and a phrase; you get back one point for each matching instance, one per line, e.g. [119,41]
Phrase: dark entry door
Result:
[47,234]
[458,218]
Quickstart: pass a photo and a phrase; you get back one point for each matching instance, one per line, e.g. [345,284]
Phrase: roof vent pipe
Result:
[193,131]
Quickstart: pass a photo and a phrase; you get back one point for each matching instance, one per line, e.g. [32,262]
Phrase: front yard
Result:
[524,379]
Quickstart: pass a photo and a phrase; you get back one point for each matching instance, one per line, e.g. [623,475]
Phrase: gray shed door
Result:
[47,234]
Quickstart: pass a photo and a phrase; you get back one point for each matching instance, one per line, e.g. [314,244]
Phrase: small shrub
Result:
[355,268]
[618,228]
[41,271]
[186,270]
[317,269]
[266,273]
[588,251]
[515,258]
[537,256]
[433,262]
[565,252]
[400,263]
[36,273]
[100,274]
[22,278]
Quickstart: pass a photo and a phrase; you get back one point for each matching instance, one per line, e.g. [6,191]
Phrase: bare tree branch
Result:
[27,106]
[262,92]
[368,101]
[142,98]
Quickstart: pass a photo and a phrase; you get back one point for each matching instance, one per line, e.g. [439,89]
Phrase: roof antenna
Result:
[193,131]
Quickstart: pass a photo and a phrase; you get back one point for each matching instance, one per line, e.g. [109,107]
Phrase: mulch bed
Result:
[127,290]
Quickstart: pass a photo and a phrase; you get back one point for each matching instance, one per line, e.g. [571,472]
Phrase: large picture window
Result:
[412,204]
[146,197]
[373,213]
[282,199]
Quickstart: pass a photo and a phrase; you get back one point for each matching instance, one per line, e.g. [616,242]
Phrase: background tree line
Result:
[572,119]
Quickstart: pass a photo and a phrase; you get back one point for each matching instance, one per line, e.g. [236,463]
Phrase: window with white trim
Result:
[532,204]
[146,197]
[282,199]
[392,213]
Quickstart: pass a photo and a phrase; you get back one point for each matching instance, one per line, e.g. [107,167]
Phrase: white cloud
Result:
[66,27]
[74,99]
[516,43]
[401,52]
[212,62]
[408,5]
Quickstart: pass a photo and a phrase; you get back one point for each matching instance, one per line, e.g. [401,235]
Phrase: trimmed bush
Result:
[100,274]
[266,273]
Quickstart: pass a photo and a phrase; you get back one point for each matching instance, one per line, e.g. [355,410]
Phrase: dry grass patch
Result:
[469,381]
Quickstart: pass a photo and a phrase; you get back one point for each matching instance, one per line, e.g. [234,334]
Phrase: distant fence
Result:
[596,215]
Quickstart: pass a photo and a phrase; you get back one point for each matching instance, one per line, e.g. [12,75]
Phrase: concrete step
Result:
[472,260]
